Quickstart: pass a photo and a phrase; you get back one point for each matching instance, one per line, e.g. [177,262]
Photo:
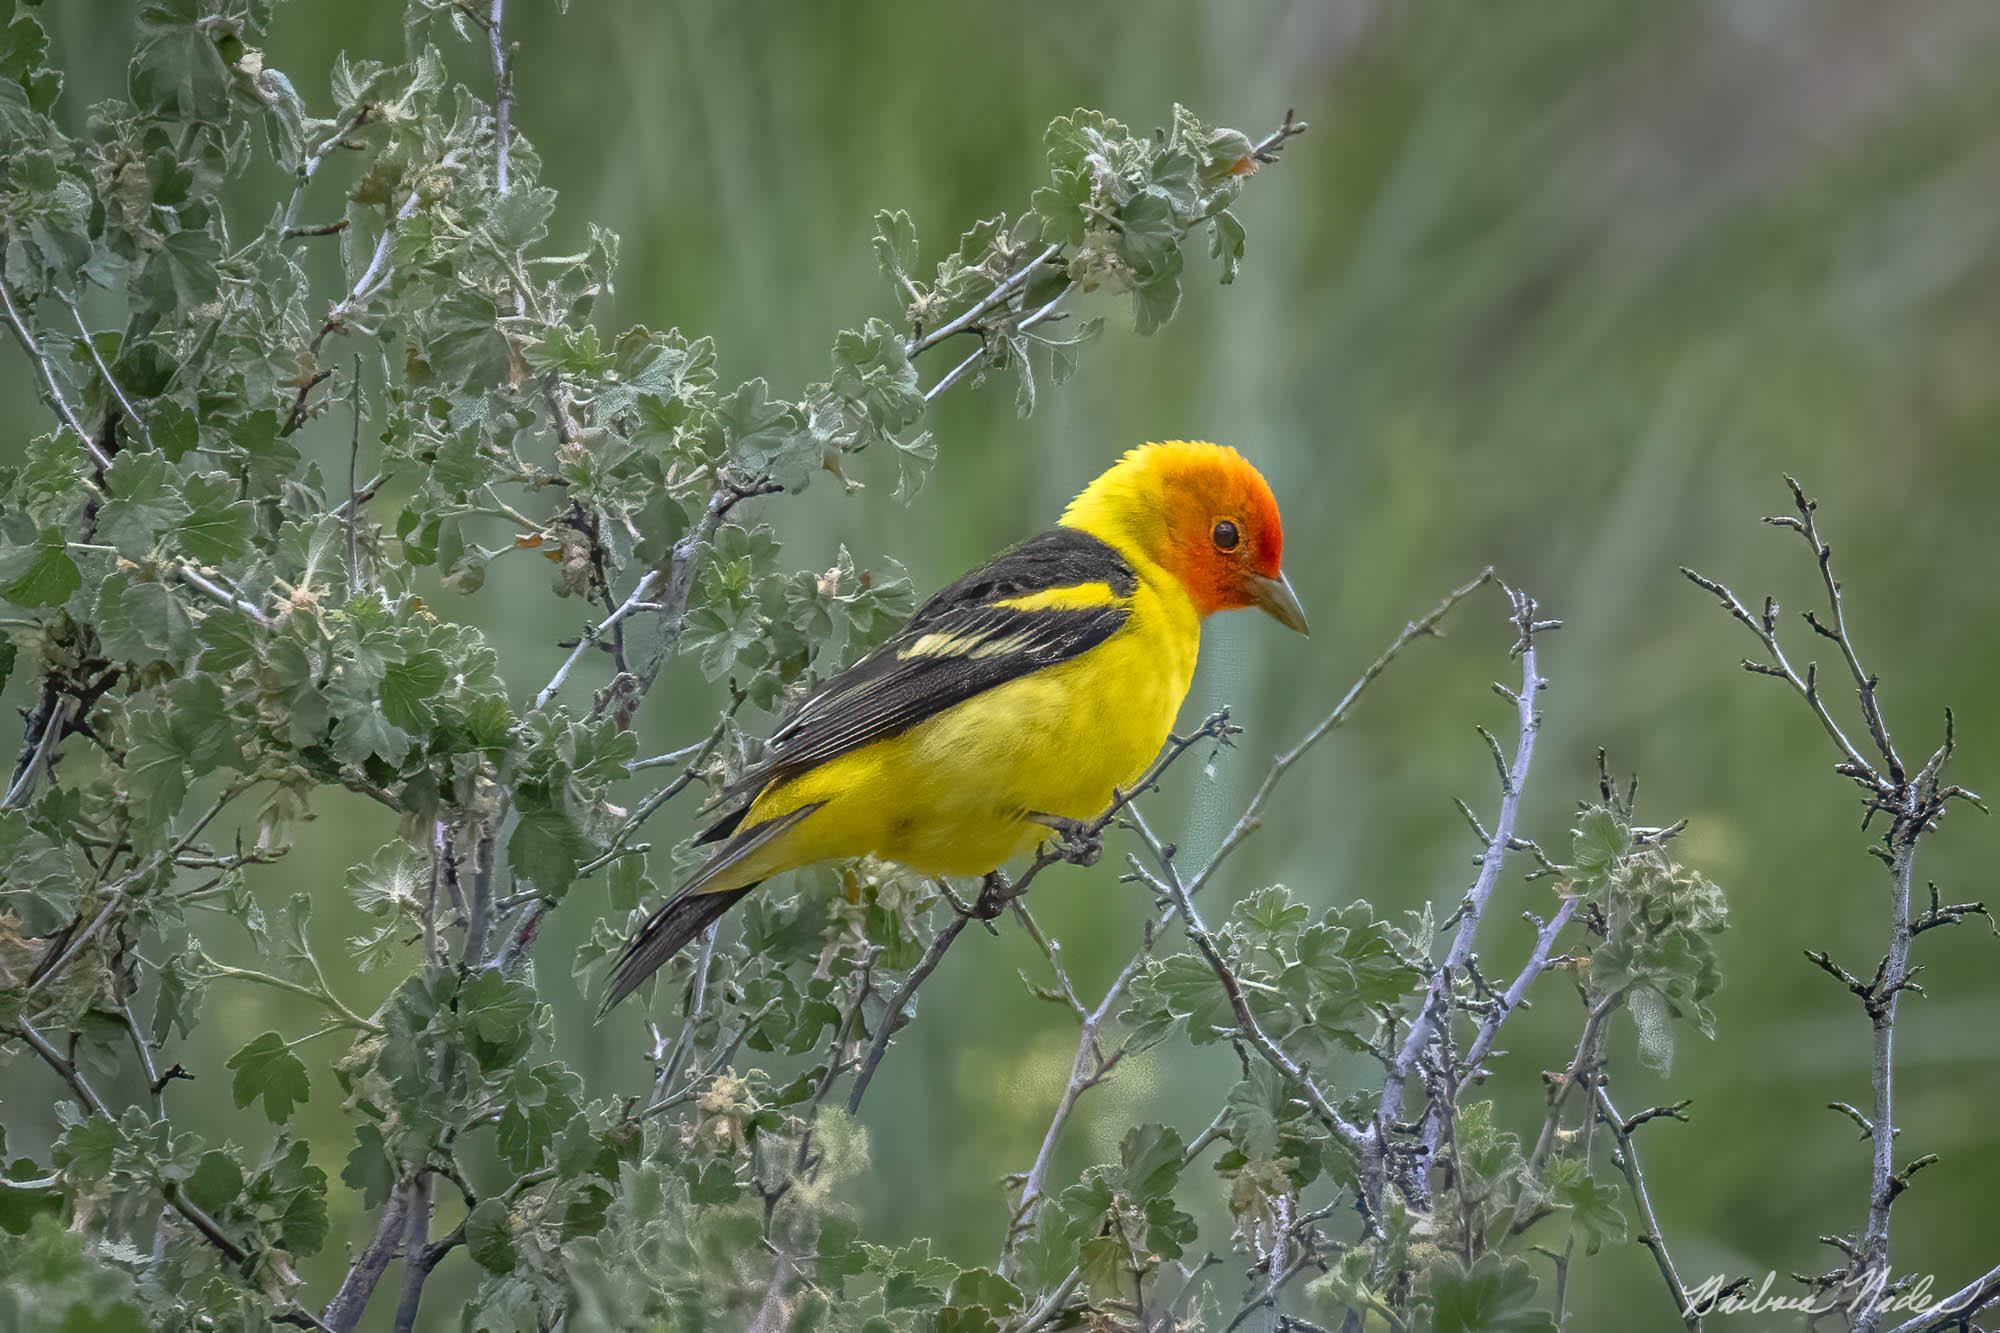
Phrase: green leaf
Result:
[409,686]
[88,1148]
[768,435]
[627,885]
[143,503]
[267,1069]
[303,1226]
[983,1289]
[1105,1263]
[24,49]
[872,370]
[545,846]
[574,350]
[1653,1021]
[1150,1158]
[1155,303]
[538,1104]
[577,1148]
[39,575]
[178,69]
[142,620]
[520,217]
[896,247]
[173,742]
[1596,844]
[1272,911]
[839,1257]
[368,1167]
[1594,1213]
[361,731]
[1182,988]
[1225,242]
[489,1236]
[181,273]
[914,1277]
[1495,1295]
[229,639]
[217,528]
[496,1007]
[174,429]
[216,1181]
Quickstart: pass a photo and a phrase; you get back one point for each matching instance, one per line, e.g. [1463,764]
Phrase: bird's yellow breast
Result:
[953,794]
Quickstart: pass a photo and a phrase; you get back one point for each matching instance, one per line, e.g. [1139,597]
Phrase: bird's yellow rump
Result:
[1027,691]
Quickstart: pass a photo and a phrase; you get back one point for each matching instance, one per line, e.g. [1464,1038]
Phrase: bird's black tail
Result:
[690,912]
[665,934]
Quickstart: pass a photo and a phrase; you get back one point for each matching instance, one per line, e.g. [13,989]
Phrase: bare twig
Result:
[39,755]
[375,275]
[646,808]
[1006,288]
[1956,1310]
[1516,994]
[1805,684]
[1436,1010]
[1651,1235]
[104,371]
[214,591]
[1088,1067]
[296,418]
[965,367]
[51,387]
[310,164]
[322,229]
[1864,683]
[640,593]
[685,562]
[1576,1074]
[353,506]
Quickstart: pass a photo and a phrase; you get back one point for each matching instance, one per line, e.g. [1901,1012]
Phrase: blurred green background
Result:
[1561,288]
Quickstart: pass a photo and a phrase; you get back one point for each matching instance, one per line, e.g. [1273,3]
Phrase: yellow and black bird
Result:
[1021,695]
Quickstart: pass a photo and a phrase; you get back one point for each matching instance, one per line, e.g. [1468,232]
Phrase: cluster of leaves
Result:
[233,563]
[1659,920]
[1636,903]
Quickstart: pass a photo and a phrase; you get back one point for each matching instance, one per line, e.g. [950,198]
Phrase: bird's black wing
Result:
[984,630]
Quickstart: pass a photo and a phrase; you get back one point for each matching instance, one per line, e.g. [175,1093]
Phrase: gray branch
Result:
[1651,1237]
[1913,804]
[1957,1309]
[51,387]
[1437,1007]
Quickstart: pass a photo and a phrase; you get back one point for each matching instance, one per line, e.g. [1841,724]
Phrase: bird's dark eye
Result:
[1226,536]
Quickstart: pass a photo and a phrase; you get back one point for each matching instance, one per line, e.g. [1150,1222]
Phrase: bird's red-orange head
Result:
[1201,513]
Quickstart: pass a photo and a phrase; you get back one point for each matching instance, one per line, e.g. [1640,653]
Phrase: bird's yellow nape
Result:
[1203,514]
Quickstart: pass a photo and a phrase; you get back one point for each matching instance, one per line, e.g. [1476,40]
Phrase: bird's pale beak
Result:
[1276,599]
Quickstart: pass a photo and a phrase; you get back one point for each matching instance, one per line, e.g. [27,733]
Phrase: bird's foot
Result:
[1078,841]
[995,892]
